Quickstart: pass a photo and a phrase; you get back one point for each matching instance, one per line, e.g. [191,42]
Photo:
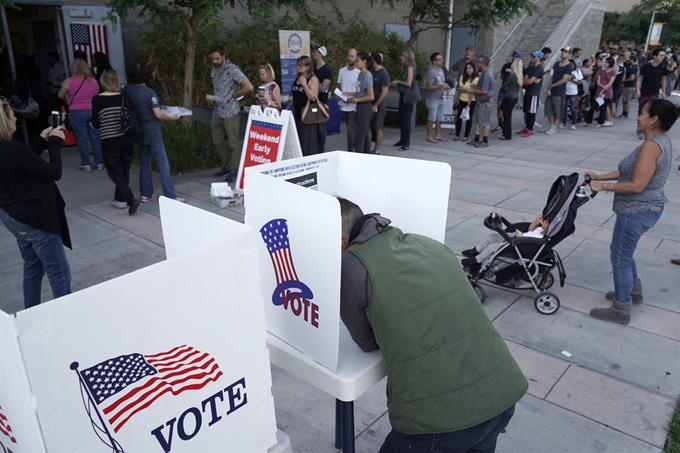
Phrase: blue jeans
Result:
[80,121]
[42,252]
[156,149]
[405,116]
[628,230]
[570,101]
[669,85]
[477,439]
[321,135]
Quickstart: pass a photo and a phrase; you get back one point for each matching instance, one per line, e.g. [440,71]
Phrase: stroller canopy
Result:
[559,206]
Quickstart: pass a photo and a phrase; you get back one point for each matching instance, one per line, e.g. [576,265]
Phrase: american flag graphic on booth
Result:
[126,385]
[275,236]
[89,38]
[5,428]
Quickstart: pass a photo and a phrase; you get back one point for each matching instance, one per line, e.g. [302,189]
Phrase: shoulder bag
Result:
[315,112]
[128,118]
[412,93]
[67,121]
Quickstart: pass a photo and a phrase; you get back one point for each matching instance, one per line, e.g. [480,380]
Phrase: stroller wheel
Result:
[547,303]
[479,291]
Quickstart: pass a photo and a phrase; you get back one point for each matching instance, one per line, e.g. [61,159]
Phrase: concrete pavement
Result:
[617,391]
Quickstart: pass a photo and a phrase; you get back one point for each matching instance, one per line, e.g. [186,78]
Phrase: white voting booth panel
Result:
[271,136]
[159,360]
[301,232]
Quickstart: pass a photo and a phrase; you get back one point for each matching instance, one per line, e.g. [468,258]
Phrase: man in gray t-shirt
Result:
[436,88]
[483,92]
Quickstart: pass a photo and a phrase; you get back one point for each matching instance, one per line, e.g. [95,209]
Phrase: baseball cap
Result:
[566,49]
[537,53]
[519,54]
[321,48]
[633,57]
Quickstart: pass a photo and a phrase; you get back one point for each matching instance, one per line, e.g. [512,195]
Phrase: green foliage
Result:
[673,439]
[634,25]
[255,42]
[185,147]
[480,14]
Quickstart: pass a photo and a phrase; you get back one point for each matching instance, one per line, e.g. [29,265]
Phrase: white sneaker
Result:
[536,124]
[572,127]
[562,126]
[608,124]
[119,204]
[86,167]
[552,130]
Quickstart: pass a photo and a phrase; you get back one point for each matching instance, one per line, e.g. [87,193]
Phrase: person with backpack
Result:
[108,109]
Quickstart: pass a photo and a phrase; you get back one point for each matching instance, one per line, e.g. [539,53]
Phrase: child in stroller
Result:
[525,256]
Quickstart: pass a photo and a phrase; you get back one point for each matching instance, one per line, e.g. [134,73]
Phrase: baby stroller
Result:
[527,262]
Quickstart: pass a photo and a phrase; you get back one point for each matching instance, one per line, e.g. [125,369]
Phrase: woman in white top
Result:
[575,79]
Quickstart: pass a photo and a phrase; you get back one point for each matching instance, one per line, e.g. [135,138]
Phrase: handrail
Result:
[564,29]
[493,55]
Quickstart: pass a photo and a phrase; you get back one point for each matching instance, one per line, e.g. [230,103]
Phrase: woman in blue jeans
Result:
[32,208]
[147,108]
[638,203]
[407,77]
[78,90]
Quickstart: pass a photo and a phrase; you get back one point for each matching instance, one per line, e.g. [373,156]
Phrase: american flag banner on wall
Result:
[5,428]
[89,38]
[126,385]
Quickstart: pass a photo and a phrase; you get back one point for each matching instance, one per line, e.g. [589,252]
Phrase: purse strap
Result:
[70,101]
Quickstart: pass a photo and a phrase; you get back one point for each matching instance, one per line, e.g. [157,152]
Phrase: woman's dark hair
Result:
[466,77]
[587,60]
[364,56]
[611,62]
[80,54]
[665,110]
[140,74]
[573,64]
[101,61]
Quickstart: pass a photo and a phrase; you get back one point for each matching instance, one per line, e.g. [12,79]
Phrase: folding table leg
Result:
[338,423]
[347,427]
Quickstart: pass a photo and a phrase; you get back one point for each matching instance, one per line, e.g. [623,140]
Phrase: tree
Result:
[193,13]
[480,14]
[634,25]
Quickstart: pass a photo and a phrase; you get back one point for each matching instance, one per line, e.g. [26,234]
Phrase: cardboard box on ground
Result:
[158,360]
[300,251]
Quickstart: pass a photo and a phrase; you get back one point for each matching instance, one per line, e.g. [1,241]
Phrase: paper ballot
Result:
[221,190]
[339,94]
[599,100]
[176,111]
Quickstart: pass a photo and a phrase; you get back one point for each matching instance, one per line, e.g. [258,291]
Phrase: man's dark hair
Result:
[546,50]
[376,57]
[470,48]
[219,48]
[434,56]
[350,214]
[80,54]
[665,110]
[140,74]
[656,51]
[53,55]
[575,50]
[484,60]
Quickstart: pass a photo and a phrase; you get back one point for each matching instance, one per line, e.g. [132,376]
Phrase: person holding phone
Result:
[32,208]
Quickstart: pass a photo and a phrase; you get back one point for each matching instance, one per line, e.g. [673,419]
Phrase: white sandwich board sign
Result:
[300,230]
[271,136]
[159,360]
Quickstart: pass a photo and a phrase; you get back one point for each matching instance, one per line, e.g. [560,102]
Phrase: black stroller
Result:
[527,262]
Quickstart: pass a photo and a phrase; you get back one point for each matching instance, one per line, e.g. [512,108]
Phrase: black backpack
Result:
[128,118]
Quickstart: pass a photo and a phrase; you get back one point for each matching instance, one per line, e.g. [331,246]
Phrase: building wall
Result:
[620,5]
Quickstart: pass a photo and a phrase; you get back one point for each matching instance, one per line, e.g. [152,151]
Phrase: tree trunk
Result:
[412,26]
[189,60]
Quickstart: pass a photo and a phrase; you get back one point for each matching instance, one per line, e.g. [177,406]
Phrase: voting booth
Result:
[159,360]
[293,205]
[271,136]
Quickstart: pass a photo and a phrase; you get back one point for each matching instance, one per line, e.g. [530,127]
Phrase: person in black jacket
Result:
[32,208]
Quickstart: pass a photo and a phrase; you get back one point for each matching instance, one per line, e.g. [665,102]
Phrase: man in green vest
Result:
[452,383]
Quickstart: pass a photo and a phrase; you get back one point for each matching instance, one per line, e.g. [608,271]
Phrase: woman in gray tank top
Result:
[638,203]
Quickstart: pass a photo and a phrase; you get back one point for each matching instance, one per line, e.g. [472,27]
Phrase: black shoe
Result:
[223,172]
[398,144]
[470,252]
[134,205]
[230,177]
[470,262]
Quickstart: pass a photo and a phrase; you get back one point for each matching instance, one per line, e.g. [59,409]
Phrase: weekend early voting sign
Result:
[271,136]
[300,232]
[159,360]
[293,44]
[449,121]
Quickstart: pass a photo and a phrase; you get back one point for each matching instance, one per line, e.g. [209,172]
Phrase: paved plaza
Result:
[615,393]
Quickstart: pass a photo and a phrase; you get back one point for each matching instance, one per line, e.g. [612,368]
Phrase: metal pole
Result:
[12,66]
[649,33]
[447,56]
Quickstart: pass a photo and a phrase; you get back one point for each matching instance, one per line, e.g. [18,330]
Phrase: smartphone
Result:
[55,119]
